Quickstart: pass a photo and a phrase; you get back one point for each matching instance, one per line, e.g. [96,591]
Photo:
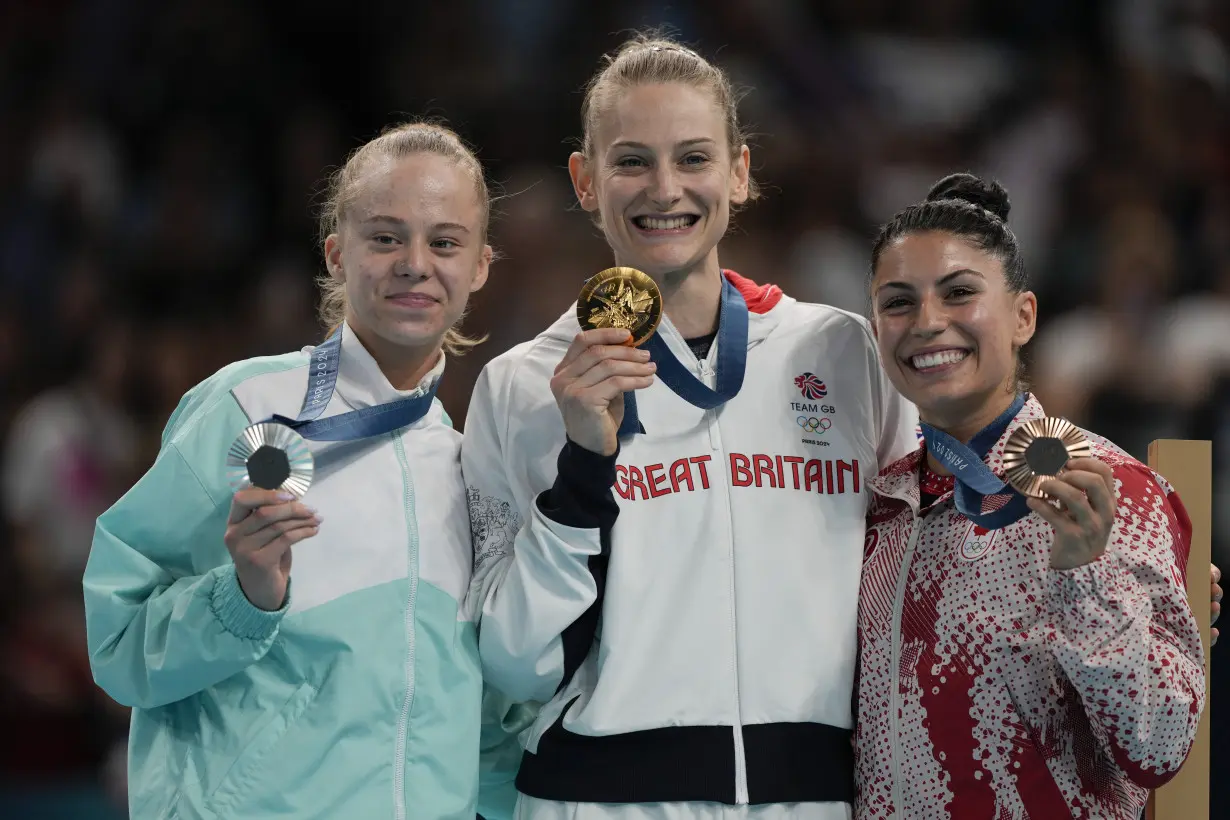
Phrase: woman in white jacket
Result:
[696,658]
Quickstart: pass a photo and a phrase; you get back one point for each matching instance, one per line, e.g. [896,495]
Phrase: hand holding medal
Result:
[1050,462]
[270,467]
[618,309]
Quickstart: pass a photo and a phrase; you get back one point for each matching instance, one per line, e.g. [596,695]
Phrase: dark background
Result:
[159,164]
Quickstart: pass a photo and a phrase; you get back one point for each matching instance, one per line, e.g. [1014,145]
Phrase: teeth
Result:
[671,224]
[936,359]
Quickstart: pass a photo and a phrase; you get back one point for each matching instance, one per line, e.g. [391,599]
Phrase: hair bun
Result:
[969,188]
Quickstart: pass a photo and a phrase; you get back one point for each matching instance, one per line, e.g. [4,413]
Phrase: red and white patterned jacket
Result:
[993,686]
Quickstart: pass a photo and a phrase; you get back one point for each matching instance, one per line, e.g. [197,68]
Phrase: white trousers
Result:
[531,808]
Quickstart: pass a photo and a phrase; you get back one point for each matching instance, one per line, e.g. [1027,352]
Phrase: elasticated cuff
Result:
[237,614]
[581,496]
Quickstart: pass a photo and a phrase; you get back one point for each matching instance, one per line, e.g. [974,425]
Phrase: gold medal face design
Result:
[624,298]
[270,456]
[1038,450]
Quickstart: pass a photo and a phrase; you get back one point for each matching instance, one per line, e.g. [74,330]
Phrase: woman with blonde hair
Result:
[312,657]
[673,569]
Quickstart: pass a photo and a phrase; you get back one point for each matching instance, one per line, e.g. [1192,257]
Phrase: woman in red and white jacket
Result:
[1018,658]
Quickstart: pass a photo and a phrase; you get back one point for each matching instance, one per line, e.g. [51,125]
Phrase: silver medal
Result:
[270,456]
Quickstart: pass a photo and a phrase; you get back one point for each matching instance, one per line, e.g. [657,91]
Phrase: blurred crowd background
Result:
[160,163]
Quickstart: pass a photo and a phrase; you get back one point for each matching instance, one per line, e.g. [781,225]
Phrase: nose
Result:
[414,263]
[931,318]
[666,191]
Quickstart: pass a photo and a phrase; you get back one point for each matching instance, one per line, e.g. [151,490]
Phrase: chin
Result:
[407,334]
[952,405]
[660,261]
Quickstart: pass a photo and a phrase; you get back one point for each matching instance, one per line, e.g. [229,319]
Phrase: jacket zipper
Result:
[894,729]
[715,442]
[412,572]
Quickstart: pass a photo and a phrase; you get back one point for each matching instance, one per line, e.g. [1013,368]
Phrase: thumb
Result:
[616,409]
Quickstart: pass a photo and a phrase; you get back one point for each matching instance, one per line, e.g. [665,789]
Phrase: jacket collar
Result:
[361,383]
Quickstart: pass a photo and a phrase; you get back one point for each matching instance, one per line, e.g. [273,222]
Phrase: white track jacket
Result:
[687,609]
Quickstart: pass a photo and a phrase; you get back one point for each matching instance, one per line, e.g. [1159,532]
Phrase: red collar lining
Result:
[759,298]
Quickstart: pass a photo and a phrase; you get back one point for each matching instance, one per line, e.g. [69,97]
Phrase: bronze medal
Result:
[624,298]
[1039,450]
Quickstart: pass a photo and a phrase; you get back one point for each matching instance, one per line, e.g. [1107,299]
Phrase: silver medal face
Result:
[272,457]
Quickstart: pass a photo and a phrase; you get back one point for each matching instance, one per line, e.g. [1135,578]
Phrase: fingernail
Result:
[653,366]
[285,496]
[319,518]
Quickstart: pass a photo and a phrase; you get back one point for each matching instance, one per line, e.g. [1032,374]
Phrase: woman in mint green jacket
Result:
[314,657]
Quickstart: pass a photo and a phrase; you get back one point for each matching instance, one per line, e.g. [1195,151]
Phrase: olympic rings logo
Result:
[813,424]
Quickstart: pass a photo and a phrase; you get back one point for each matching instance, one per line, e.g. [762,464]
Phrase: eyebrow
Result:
[644,147]
[439,226]
[946,278]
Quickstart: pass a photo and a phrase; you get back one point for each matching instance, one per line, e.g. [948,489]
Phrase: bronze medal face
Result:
[624,298]
[1039,450]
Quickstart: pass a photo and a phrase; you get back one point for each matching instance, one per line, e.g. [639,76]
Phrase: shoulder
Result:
[1137,484]
[524,370]
[217,392]
[512,414]
[812,319]
[779,314]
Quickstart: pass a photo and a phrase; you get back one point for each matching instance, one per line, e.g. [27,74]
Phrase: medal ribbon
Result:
[974,479]
[731,363]
[357,424]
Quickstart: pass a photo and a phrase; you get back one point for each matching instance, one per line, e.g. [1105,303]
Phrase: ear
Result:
[740,175]
[583,181]
[333,257]
[1025,306]
[484,267]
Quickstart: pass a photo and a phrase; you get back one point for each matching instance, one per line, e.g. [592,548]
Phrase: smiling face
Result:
[410,250]
[662,177]
[949,328]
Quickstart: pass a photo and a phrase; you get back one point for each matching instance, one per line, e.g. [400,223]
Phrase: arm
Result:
[1126,637]
[160,625]
[536,586]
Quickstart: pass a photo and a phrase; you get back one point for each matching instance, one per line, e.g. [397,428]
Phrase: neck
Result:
[692,298]
[403,366]
[963,427]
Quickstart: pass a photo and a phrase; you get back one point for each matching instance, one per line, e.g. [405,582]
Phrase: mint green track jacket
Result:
[362,697]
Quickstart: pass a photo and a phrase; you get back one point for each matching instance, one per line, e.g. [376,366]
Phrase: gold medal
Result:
[624,298]
[1038,450]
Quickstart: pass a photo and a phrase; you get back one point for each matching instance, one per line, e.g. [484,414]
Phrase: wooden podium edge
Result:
[1187,466]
